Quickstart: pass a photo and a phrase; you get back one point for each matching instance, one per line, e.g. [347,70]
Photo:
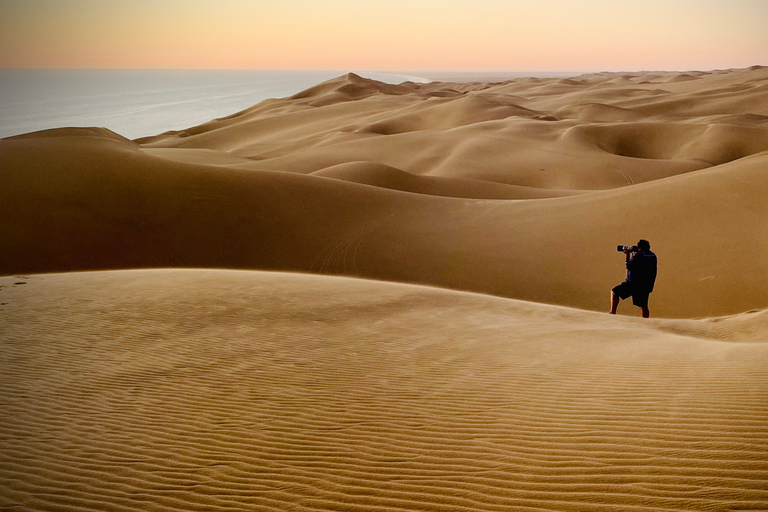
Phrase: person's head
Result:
[644,245]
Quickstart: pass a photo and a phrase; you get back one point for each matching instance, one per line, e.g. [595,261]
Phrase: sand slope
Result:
[75,202]
[520,189]
[224,390]
[384,176]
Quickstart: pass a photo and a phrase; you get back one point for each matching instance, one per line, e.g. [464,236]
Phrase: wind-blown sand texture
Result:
[237,390]
[202,389]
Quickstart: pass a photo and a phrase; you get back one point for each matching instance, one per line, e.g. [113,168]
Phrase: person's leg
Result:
[640,299]
[614,302]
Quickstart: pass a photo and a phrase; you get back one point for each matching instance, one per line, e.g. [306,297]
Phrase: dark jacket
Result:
[641,270]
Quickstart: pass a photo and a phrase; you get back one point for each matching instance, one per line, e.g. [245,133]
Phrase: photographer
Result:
[641,276]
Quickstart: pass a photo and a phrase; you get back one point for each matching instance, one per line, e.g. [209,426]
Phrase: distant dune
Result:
[519,189]
[182,376]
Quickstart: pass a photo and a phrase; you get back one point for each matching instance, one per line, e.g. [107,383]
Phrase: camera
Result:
[629,248]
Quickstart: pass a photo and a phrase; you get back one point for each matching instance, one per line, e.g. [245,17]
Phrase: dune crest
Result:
[90,132]
[387,177]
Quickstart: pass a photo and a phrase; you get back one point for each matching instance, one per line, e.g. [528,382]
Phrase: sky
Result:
[476,35]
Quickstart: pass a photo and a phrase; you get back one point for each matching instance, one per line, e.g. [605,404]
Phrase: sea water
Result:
[138,103]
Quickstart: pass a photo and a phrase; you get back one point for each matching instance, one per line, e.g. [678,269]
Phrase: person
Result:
[641,277]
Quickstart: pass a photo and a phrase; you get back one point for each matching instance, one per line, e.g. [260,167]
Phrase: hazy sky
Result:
[511,35]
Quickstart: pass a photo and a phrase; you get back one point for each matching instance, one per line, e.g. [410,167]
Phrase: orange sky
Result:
[512,35]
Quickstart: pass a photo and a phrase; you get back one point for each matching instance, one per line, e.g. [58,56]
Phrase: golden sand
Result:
[607,159]
[201,389]
[242,390]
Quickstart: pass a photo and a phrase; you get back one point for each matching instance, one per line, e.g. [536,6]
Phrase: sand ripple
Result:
[224,390]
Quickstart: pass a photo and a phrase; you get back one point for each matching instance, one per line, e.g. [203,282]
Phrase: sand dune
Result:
[223,390]
[384,176]
[712,144]
[598,113]
[110,205]
[505,133]
[201,389]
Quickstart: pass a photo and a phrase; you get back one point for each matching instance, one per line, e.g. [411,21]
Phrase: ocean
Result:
[138,103]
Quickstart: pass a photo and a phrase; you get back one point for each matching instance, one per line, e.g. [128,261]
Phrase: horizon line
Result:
[394,71]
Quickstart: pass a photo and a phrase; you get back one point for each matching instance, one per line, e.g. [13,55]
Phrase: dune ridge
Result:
[496,132]
[109,204]
[237,390]
[384,176]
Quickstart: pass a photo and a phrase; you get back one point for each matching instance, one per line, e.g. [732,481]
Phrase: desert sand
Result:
[392,297]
